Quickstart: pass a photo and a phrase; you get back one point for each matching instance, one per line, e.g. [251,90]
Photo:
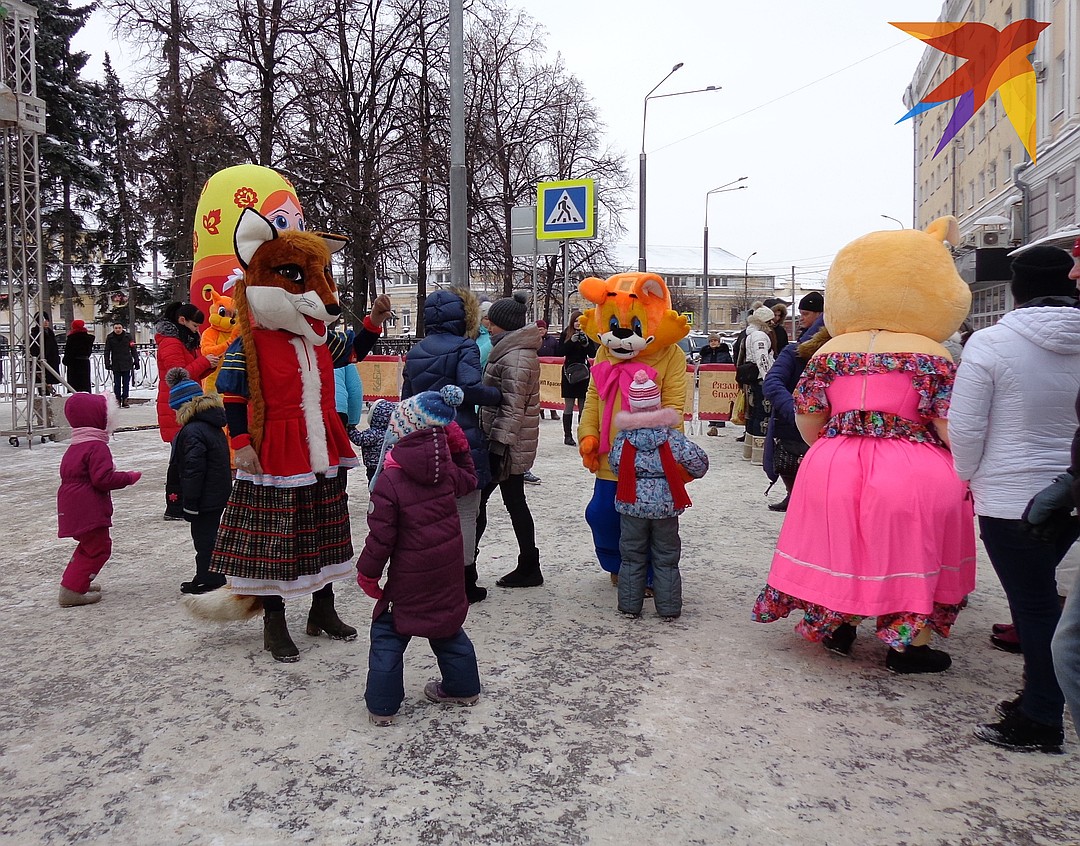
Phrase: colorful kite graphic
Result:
[996,61]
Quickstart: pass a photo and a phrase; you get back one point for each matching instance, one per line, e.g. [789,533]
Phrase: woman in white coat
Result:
[1010,426]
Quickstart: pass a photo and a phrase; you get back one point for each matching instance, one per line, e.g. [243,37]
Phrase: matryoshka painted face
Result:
[287,215]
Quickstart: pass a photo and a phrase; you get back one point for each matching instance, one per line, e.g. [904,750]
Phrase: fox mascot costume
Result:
[285,531]
[637,329]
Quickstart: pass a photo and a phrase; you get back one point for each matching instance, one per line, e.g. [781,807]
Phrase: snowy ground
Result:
[127,722]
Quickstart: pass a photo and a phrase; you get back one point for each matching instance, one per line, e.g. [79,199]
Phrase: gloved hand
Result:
[455,438]
[369,586]
[381,309]
[589,449]
[1049,512]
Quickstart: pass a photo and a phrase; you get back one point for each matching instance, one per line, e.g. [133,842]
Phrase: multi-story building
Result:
[984,176]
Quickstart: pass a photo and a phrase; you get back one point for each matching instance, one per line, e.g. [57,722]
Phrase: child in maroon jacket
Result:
[413,523]
[84,501]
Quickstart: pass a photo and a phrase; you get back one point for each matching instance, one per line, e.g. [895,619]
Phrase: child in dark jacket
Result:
[370,440]
[413,523]
[200,460]
[652,461]
[84,501]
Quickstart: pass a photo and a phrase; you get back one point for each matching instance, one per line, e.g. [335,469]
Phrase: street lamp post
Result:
[641,157]
[746,282]
[727,186]
[894,220]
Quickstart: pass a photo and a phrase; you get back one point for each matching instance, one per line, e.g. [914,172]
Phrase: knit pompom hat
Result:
[76,327]
[181,387]
[1042,272]
[509,312]
[643,395]
[424,411]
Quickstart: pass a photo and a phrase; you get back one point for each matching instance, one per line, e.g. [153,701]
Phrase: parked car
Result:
[691,346]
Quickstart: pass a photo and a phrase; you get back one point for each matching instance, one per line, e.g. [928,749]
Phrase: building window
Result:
[1058,105]
[993,176]
[982,125]
[982,184]
[971,193]
[960,199]
[1008,16]
[971,139]
[1007,156]
[993,111]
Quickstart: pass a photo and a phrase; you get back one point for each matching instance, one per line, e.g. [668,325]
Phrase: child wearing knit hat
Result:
[652,461]
[415,533]
[200,461]
[371,439]
[84,506]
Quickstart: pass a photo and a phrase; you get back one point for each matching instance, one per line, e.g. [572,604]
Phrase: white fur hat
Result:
[762,315]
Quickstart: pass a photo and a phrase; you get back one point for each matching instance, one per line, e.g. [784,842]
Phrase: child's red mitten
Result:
[455,438]
[369,586]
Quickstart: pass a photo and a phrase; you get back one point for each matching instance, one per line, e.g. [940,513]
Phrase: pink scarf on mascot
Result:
[612,378]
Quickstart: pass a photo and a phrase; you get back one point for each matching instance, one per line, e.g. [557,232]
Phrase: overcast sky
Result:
[810,93]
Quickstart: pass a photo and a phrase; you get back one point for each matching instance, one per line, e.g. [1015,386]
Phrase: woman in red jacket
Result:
[177,339]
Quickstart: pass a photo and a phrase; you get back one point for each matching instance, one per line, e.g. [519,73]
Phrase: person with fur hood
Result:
[784,446]
[449,355]
[652,461]
[415,532]
[513,429]
[200,461]
[84,505]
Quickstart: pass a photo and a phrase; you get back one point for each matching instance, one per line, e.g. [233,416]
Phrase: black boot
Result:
[323,618]
[568,436]
[841,639]
[917,659]
[276,637]
[527,573]
[781,505]
[473,592]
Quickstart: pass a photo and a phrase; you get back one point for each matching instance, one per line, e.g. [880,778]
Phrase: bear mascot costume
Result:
[879,525]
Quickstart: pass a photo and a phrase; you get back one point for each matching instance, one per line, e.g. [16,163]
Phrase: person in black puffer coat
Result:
[200,460]
[448,355]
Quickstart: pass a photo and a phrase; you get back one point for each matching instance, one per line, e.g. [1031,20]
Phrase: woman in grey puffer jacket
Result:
[513,429]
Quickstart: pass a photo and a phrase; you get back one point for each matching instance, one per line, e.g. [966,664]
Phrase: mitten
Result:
[589,449]
[455,438]
[381,309]
[369,586]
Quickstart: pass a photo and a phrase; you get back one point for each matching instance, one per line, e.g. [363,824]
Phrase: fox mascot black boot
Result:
[323,617]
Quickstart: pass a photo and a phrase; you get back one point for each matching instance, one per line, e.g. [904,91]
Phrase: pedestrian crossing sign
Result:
[566,209]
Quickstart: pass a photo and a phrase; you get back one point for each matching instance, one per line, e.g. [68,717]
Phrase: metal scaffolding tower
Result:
[22,120]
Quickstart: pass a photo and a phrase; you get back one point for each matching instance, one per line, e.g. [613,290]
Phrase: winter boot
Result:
[473,592]
[567,424]
[1019,732]
[276,638]
[841,639]
[917,659]
[323,618]
[527,573]
[69,598]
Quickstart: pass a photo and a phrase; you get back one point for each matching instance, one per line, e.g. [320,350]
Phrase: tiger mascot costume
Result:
[637,329]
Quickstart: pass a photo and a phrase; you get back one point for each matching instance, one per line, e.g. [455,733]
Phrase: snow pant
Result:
[513,496]
[386,668]
[94,549]
[1066,651]
[174,506]
[204,528]
[641,539]
[1027,568]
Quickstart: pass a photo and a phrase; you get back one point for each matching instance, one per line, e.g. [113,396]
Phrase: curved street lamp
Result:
[894,220]
[746,282]
[727,186]
[641,156]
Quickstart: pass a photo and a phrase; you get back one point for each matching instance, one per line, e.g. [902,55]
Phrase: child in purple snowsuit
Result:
[413,524]
[84,502]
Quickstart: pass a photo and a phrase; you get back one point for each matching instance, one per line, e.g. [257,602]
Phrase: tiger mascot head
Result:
[633,314]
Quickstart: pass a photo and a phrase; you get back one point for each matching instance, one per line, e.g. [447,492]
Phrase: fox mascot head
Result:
[633,314]
[287,284]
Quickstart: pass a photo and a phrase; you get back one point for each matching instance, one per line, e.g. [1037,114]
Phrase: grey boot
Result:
[276,638]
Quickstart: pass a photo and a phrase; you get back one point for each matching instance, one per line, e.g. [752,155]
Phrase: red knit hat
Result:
[76,327]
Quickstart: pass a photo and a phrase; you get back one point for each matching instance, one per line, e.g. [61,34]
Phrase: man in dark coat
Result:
[778,386]
[43,346]
[121,357]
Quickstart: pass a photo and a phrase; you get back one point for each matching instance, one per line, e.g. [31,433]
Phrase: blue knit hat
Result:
[424,411]
[181,387]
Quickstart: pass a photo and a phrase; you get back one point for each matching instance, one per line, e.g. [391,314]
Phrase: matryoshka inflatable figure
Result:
[879,525]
